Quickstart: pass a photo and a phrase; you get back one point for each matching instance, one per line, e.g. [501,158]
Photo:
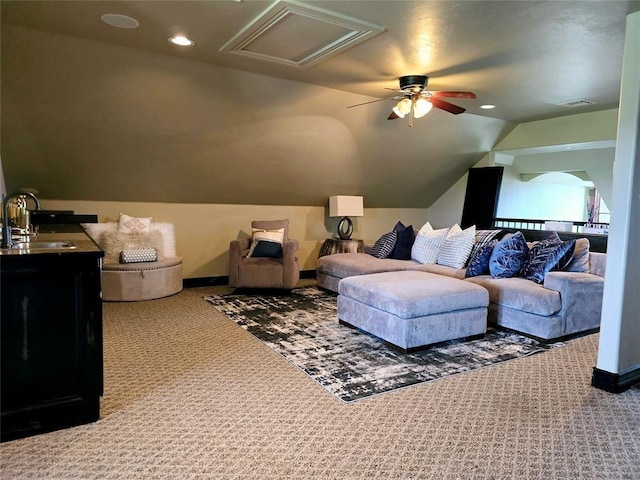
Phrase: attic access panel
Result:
[298,35]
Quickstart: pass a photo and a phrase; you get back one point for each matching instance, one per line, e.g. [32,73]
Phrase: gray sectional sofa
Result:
[565,304]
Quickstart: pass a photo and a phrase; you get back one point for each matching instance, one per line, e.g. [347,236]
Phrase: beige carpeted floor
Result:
[190,395]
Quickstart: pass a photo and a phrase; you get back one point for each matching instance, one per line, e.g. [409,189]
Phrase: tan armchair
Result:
[264,272]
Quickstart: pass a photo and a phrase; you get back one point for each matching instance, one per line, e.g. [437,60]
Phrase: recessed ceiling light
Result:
[487,107]
[181,40]
[119,21]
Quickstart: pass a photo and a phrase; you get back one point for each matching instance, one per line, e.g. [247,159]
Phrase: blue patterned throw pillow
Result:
[545,255]
[508,256]
[384,245]
[483,237]
[404,242]
[479,263]
[566,259]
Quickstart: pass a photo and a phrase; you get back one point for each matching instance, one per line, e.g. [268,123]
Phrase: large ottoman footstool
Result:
[411,309]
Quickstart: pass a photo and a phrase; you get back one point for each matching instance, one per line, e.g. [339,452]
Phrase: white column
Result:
[619,349]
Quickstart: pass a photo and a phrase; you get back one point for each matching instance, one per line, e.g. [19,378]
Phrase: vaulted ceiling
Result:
[94,112]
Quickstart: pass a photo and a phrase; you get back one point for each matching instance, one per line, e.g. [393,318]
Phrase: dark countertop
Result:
[73,233]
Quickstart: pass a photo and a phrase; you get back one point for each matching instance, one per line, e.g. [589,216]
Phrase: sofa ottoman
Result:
[411,310]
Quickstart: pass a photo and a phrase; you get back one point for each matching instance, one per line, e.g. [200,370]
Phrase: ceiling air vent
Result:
[577,103]
[298,35]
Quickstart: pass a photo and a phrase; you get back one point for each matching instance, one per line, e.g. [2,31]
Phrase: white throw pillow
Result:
[259,235]
[426,228]
[453,230]
[127,224]
[457,247]
[115,242]
[95,230]
[168,237]
[427,245]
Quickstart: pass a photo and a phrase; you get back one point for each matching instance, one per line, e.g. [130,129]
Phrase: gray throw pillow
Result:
[580,261]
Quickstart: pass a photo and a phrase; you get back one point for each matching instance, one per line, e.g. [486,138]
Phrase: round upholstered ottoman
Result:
[130,282]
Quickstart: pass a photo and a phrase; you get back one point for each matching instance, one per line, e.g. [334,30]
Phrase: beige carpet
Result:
[190,395]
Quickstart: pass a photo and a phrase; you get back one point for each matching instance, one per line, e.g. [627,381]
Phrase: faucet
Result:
[7,241]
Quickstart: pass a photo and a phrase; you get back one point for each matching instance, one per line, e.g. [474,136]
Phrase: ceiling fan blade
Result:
[454,94]
[403,92]
[393,115]
[449,107]
[372,101]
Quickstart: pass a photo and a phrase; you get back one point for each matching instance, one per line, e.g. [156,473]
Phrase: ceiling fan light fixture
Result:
[416,101]
[404,106]
[397,111]
[422,107]
[413,82]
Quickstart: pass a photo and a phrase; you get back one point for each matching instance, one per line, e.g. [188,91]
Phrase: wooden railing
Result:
[530,224]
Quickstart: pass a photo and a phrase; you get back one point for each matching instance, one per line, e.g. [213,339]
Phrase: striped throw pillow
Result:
[427,245]
[384,245]
[484,237]
[457,247]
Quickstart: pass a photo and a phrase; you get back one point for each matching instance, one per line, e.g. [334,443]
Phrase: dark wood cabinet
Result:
[51,329]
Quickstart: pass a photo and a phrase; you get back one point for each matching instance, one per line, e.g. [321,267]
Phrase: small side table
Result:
[337,245]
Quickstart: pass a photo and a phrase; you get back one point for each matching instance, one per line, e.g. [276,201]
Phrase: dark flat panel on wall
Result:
[481,199]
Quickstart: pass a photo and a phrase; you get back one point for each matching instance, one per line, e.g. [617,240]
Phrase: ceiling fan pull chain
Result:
[413,106]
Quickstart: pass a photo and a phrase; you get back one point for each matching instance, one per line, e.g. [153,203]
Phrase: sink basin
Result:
[43,245]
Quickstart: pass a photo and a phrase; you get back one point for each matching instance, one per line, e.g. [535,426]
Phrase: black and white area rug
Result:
[303,327]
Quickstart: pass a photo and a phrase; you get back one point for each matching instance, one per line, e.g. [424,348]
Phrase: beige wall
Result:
[584,127]
[573,129]
[84,120]
[203,231]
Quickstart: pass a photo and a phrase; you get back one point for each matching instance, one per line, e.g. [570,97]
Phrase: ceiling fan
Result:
[416,101]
